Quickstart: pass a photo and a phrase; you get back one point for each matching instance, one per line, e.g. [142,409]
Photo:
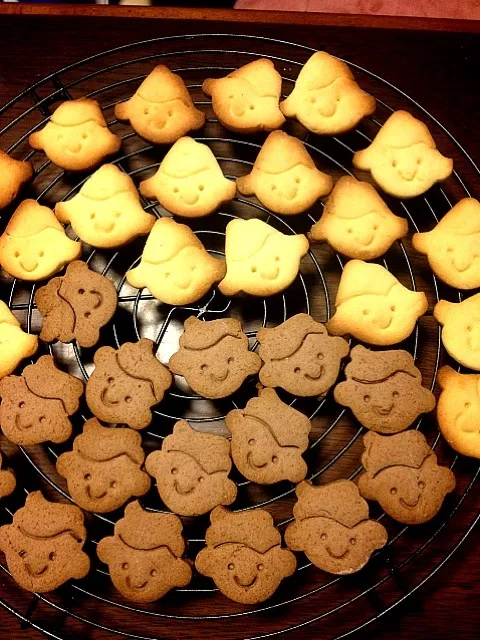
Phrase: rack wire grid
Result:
[92,606]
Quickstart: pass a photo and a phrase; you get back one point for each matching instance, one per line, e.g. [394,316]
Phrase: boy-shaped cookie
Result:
[15,344]
[461,329]
[14,175]
[191,471]
[333,528]
[104,469]
[144,556]
[244,555]
[8,482]
[402,475]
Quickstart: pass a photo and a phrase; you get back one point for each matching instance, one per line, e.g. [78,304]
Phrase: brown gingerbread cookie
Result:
[191,471]
[383,389]
[43,545]
[76,306]
[268,439]
[144,556]
[36,405]
[402,475]
[104,469]
[214,357]
[244,555]
[8,482]
[299,356]
[126,383]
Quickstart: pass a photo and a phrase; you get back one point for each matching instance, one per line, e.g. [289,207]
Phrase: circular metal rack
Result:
[412,555]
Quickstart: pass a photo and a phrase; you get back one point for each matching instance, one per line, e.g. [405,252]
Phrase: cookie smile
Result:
[219,378]
[106,400]
[383,411]
[408,505]
[31,266]
[93,497]
[35,574]
[247,584]
[320,373]
[22,427]
[182,492]
[253,464]
[130,585]
[334,555]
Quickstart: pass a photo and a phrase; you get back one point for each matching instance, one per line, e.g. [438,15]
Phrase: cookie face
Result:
[214,357]
[36,405]
[246,100]
[161,110]
[14,175]
[144,556]
[189,181]
[461,329]
[175,265]
[8,481]
[43,545]
[299,356]
[34,245]
[373,306]
[261,261]
[15,344]
[77,137]
[104,469]
[284,177]
[76,306]
[402,475]
[244,555]
[383,389]
[268,439]
[191,471]
[126,383]
[356,222]
[403,158]
[452,247]
[332,527]
[106,212]
[326,99]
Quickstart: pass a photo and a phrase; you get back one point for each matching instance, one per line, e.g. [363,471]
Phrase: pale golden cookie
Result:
[326,99]
[246,100]
[14,174]
[15,344]
[161,110]
[175,266]
[106,212]
[260,260]
[461,329]
[453,246]
[356,221]
[373,306]
[284,177]
[403,158]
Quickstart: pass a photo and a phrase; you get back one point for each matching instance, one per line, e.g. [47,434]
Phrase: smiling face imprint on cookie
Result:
[461,329]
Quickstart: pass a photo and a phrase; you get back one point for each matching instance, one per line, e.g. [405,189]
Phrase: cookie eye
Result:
[125,565]
[366,399]
[350,231]
[84,136]
[146,111]
[375,227]
[296,370]
[231,360]
[87,476]
[16,254]
[260,567]
[231,566]
[274,459]
[393,491]
[393,307]
[42,419]
[353,541]
[175,190]
[81,291]
[297,180]
[174,471]
[87,314]
[366,312]
[395,394]
[170,113]
[251,442]
[274,187]
[201,479]
[128,399]
[117,214]
[320,356]
[41,254]
[421,484]
[92,216]
[419,160]
[22,554]
[323,536]
[449,250]
[277,258]
[201,187]
[52,556]
[204,367]
[252,107]
[254,269]
[113,484]
[153,573]
[468,405]
[394,163]
[110,380]
[21,404]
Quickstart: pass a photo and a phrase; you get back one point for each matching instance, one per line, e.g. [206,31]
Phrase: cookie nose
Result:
[238,106]
[29,264]
[105,225]
[364,236]
[189,196]
[269,271]
[218,371]
[383,317]
[462,260]
[328,108]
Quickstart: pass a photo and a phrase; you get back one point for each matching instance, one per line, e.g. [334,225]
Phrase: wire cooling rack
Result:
[92,607]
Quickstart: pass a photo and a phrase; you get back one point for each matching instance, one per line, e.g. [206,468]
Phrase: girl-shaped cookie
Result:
[14,175]
[356,221]
[326,99]
[403,158]
[161,110]
[77,137]
[373,306]
[284,177]
[15,344]
[34,245]
[175,265]
[461,329]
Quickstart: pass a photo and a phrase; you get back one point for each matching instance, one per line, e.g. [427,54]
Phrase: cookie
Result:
[268,439]
[161,110]
[383,389]
[36,406]
[8,482]
[191,470]
[15,344]
[356,222]
[175,265]
[144,556]
[43,544]
[373,306]
[246,100]
[403,158]
[189,181]
[34,245]
[402,475]
[126,383]
[77,137]
[76,306]
[332,527]
[104,469]
[261,261]
[461,329]
[326,99]
[106,212]
[244,555]
[15,174]
[299,356]
[214,357]
[458,410]
[452,247]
